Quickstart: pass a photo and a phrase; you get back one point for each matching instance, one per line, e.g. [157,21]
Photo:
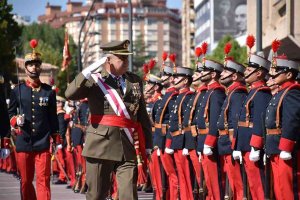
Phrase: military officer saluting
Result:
[283,129]
[120,127]
[249,139]
[232,78]
[32,110]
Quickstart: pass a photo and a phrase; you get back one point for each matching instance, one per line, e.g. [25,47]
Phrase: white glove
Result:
[237,155]
[71,124]
[200,156]
[59,146]
[69,109]
[158,152]
[20,120]
[254,155]
[207,150]
[284,155]
[4,153]
[185,152]
[148,151]
[93,67]
[83,144]
[169,151]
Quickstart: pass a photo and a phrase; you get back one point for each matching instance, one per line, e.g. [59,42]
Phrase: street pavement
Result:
[10,190]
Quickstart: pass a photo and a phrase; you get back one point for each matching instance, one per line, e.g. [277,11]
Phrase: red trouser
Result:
[234,175]
[196,164]
[70,167]
[60,157]
[254,173]
[154,169]
[168,164]
[184,176]
[211,171]
[39,162]
[80,161]
[284,182]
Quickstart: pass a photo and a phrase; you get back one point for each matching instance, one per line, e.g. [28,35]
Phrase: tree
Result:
[140,55]
[9,34]
[51,43]
[237,52]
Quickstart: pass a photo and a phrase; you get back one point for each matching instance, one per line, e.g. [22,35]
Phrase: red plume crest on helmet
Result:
[204,47]
[198,52]
[151,64]
[275,45]
[164,56]
[250,41]
[227,48]
[33,43]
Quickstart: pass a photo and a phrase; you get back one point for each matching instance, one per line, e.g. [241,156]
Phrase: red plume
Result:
[275,45]
[204,46]
[151,64]
[250,41]
[172,57]
[198,52]
[164,56]
[33,43]
[227,48]
[145,68]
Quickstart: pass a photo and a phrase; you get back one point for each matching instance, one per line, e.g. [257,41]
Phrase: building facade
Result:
[217,18]
[153,23]
[188,32]
[280,20]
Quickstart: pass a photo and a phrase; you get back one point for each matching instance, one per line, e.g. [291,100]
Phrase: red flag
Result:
[66,53]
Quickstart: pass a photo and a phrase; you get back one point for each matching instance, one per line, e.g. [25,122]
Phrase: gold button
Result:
[33,123]
[33,116]
[32,110]
[32,96]
[32,103]
[33,130]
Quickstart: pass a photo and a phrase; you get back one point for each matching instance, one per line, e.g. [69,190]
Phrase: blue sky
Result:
[34,8]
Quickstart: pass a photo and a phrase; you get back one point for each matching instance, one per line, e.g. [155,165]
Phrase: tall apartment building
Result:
[157,25]
[280,19]
[188,32]
[217,18]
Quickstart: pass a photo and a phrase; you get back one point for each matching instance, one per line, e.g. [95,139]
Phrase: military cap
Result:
[284,63]
[150,78]
[34,56]
[212,65]
[183,71]
[167,70]
[116,47]
[199,67]
[61,99]
[257,61]
[232,65]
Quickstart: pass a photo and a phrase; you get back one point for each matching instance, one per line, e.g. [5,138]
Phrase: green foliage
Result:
[51,43]
[9,34]
[237,52]
[140,56]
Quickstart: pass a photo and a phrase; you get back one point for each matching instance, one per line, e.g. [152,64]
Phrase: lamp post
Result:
[130,32]
[258,25]
[79,37]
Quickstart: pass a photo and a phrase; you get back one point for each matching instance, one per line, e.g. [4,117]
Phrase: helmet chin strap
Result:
[227,76]
[180,81]
[199,78]
[32,75]
[165,79]
[250,74]
[149,89]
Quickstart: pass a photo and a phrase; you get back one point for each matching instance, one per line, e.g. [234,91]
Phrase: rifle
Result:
[59,163]
[77,184]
